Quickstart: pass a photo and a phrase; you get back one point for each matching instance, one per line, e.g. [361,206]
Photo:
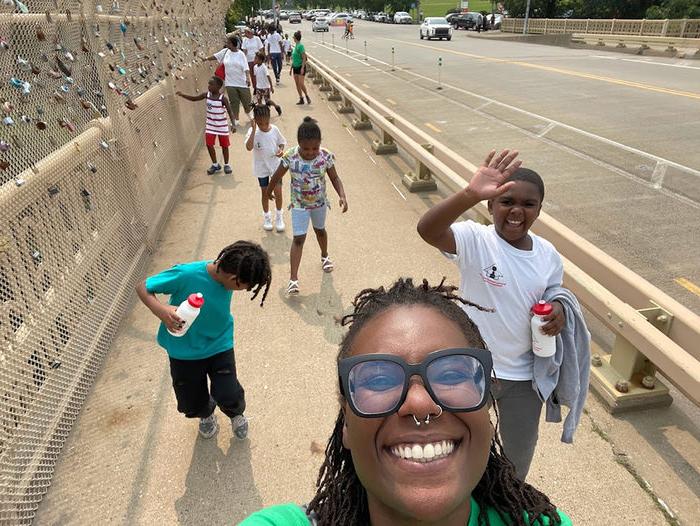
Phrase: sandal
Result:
[293,287]
[326,264]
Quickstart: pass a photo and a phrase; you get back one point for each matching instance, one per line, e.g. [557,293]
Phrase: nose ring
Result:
[427,418]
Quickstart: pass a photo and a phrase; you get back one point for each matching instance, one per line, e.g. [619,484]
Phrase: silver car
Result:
[320,23]
[436,27]
[402,17]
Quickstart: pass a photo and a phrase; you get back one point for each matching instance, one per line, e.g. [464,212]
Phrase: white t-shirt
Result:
[287,45]
[265,147]
[497,275]
[235,66]
[251,46]
[261,80]
[274,43]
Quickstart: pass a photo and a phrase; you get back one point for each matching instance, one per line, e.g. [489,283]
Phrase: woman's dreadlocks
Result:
[250,264]
[341,498]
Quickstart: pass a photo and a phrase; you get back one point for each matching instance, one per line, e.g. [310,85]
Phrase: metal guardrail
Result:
[623,301]
[684,28]
[85,186]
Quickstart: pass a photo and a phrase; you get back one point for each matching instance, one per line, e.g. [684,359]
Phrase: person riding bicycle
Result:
[348,29]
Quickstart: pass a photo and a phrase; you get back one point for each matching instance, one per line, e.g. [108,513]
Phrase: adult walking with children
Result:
[236,75]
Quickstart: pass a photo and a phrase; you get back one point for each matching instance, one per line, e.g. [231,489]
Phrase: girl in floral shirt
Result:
[308,165]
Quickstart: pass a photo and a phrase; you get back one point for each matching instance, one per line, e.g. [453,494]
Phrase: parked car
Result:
[466,21]
[294,18]
[451,16]
[402,17]
[320,23]
[436,27]
[339,19]
[380,17]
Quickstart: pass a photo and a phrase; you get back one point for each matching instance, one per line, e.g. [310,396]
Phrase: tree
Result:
[675,9]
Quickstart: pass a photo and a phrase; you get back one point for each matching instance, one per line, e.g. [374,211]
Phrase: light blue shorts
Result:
[301,216]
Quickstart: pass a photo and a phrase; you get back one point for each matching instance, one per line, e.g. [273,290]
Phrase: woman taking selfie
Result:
[413,442]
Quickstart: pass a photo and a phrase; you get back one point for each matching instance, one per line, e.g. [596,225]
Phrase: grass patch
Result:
[440,7]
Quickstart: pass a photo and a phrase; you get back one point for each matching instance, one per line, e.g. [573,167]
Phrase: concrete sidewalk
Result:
[132,459]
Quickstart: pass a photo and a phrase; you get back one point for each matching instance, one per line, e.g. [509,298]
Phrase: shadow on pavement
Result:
[322,309]
[220,485]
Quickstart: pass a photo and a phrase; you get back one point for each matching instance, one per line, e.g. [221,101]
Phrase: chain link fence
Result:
[93,143]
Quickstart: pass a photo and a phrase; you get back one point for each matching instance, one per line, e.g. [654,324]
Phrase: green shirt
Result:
[212,331]
[293,515]
[297,59]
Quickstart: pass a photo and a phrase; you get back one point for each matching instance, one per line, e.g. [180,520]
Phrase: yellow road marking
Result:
[569,72]
[391,101]
[365,85]
[687,284]
[433,127]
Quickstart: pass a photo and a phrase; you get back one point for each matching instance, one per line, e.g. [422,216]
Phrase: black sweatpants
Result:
[191,390]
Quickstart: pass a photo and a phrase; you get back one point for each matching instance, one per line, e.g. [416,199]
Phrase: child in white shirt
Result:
[267,144]
[263,83]
[506,268]
[287,48]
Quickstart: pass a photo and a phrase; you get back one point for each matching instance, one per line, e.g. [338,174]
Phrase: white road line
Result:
[399,191]
[591,135]
[351,134]
[649,62]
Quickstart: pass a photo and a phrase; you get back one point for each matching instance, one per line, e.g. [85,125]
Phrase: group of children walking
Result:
[503,267]
[206,349]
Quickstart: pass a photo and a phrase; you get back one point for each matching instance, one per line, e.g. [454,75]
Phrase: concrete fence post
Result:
[664,30]
[641,27]
[612,26]
[385,144]
[335,95]
[421,180]
[346,106]
[588,20]
[683,24]
[325,86]
[363,123]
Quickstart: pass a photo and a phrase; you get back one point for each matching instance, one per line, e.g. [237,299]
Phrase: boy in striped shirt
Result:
[217,122]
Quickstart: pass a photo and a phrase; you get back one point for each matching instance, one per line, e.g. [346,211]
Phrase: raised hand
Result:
[488,181]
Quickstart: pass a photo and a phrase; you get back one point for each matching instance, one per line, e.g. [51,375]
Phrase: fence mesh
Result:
[92,145]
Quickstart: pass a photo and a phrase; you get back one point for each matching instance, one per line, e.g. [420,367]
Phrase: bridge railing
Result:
[683,28]
[651,330]
[94,143]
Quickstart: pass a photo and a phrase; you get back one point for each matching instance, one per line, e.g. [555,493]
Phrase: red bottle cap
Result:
[196,300]
[542,308]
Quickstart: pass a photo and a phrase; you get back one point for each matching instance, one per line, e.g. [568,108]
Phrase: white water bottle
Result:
[542,344]
[188,312]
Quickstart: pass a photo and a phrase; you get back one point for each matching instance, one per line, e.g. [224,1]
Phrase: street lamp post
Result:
[527,17]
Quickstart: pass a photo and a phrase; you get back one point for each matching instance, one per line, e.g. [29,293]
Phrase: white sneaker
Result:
[236,122]
[279,223]
[267,224]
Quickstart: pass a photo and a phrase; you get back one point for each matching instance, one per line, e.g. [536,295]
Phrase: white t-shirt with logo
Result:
[235,66]
[497,275]
[274,43]
[265,147]
[261,73]
[251,46]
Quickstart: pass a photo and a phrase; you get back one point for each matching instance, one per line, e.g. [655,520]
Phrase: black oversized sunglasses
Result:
[376,385]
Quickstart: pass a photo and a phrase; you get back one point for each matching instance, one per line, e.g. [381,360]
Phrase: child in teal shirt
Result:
[206,349]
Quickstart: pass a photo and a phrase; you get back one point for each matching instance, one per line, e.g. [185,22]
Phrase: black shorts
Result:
[297,71]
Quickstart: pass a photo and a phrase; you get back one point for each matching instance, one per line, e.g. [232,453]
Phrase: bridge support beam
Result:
[386,145]
[363,123]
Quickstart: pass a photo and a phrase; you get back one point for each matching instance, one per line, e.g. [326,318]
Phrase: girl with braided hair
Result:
[413,443]
[206,349]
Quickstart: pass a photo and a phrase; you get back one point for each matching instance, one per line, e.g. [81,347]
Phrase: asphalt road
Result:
[614,135]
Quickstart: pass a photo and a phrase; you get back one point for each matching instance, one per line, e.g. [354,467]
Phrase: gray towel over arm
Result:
[562,379]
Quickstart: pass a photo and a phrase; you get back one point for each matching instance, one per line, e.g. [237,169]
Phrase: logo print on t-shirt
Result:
[492,276]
